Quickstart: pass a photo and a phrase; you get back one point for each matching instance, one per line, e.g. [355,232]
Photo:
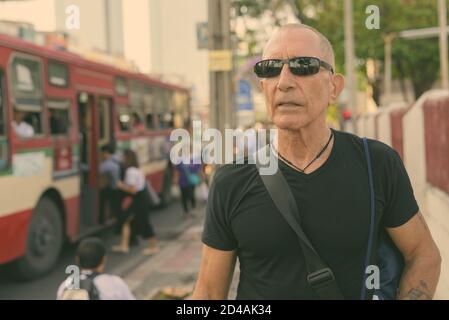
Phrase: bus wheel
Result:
[44,243]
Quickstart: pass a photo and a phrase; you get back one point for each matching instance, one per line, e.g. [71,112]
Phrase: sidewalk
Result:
[172,273]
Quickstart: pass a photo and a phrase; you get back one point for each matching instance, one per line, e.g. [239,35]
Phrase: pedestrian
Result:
[188,175]
[94,283]
[135,217]
[327,174]
[110,196]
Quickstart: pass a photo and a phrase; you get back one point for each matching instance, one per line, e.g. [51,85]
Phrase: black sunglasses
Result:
[300,66]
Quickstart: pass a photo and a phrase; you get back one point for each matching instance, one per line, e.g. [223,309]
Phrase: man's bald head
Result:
[325,45]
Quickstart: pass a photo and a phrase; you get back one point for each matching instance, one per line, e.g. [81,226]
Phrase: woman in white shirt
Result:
[136,214]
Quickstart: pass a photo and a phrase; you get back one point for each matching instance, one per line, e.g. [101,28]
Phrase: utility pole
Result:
[349,61]
[220,65]
[442,10]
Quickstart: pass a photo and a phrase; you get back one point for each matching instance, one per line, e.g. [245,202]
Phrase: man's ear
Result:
[261,83]
[338,83]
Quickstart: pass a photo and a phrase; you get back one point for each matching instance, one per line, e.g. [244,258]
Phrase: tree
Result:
[395,16]
[417,60]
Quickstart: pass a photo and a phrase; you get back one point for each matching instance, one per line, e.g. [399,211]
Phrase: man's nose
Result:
[286,79]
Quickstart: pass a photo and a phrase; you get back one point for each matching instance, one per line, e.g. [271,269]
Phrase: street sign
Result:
[220,60]
[244,96]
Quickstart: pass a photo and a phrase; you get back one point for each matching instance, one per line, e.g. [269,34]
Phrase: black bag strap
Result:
[372,216]
[89,285]
[320,277]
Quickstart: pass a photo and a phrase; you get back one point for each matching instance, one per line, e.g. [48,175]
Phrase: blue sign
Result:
[244,96]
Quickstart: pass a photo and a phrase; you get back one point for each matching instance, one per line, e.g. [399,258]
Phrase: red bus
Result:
[56,111]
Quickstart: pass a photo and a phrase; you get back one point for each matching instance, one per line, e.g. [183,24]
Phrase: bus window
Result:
[27,94]
[165,120]
[170,119]
[59,110]
[26,77]
[178,121]
[27,121]
[135,97]
[147,96]
[58,74]
[137,122]
[124,120]
[3,142]
[121,87]
[164,107]
[148,106]
[181,109]
[149,121]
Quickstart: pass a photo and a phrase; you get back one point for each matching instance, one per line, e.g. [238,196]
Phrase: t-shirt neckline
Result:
[320,168]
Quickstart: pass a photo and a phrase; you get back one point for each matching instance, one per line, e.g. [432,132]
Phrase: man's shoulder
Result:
[378,149]
[234,172]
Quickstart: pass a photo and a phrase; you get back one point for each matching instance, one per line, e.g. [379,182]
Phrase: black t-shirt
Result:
[334,205]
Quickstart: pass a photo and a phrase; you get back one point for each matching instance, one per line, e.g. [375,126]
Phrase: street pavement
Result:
[169,224]
[172,273]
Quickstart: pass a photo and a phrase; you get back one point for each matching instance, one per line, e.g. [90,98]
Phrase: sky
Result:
[26,11]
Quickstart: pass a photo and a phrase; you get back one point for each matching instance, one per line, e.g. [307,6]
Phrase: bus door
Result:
[106,122]
[88,159]
[3,124]
[106,137]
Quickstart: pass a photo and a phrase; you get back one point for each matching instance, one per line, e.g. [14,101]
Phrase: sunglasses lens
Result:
[304,66]
[268,68]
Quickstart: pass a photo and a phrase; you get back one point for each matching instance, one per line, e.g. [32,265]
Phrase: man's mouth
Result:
[288,104]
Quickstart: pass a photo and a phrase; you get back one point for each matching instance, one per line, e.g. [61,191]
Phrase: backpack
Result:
[86,291]
[192,178]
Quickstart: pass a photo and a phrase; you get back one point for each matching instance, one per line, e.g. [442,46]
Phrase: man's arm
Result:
[422,259]
[215,275]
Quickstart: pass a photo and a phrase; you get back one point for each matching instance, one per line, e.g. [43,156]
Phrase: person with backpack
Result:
[338,208]
[188,175]
[94,283]
[110,196]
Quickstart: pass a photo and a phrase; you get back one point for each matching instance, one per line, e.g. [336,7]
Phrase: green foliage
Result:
[414,59]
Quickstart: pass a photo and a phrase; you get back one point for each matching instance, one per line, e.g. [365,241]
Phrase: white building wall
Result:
[92,31]
[40,13]
[136,31]
[438,221]
[384,126]
[114,20]
[370,125]
[384,122]
[174,51]
[360,126]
